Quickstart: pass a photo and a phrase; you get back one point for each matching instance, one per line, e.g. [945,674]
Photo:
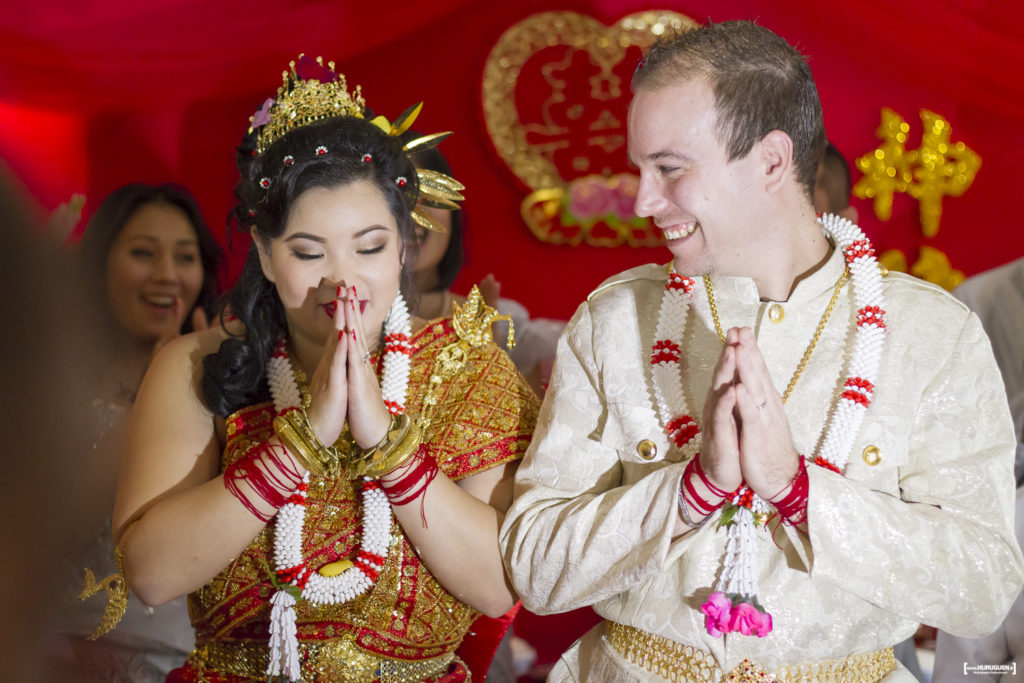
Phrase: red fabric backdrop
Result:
[98,93]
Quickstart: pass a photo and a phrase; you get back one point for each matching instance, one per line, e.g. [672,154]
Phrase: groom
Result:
[770,458]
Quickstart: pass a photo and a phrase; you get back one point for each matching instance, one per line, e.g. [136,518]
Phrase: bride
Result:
[325,476]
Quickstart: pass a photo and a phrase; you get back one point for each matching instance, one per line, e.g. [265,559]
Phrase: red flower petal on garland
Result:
[664,351]
[871,315]
[397,343]
[682,429]
[858,249]
[822,462]
[856,397]
[677,281]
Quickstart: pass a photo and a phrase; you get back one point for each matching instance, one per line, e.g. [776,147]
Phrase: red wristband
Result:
[689,492]
[269,474]
[793,506]
[413,484]
[707,482]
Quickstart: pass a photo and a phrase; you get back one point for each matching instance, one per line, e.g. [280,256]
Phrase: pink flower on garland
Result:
[733,613]
[750,621]
[716,614]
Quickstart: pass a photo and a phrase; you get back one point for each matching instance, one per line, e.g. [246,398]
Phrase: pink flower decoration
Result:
[764,626]
[590,197]
[749,620]
[626,188]
[722,616]
[743,617]
[717,611]
[262,115]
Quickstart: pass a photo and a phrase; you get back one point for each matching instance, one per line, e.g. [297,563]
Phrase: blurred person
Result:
[997,297]
[832,185]
[753,460]
[149,256]
[47,432]
[157,261]
[325,475]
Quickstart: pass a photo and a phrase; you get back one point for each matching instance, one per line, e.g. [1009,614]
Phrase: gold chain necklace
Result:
[814,340]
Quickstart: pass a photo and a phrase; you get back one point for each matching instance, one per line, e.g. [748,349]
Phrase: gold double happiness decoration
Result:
[937,168]
[580,192]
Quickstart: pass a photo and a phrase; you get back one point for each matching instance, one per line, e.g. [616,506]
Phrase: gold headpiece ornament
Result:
[302,101]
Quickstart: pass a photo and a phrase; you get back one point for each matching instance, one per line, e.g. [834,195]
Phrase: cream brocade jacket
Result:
[925,535]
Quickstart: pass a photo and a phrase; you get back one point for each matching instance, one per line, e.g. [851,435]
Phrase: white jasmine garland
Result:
[289,564]
[739,576]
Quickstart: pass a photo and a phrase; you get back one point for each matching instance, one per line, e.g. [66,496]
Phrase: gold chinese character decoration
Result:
[937,168]
[932,265]
[555,96]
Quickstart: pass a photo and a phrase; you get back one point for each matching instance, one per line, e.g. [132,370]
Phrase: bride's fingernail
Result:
[341,334]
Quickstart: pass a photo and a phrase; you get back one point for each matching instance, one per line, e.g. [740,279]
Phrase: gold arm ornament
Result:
[116,588]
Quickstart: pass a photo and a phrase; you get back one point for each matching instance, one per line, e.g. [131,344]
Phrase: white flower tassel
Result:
[284,644]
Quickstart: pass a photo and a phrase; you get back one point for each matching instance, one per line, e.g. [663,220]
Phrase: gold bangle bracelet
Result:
[295,432]
[397,454]
[398,445]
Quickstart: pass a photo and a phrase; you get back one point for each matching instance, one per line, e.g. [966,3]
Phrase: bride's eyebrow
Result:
[305,236]
[368,230]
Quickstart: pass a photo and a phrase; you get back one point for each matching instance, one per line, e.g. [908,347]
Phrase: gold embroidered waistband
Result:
[337,659]
[677,662]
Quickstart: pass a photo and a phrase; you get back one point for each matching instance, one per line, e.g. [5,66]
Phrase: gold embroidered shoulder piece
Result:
[473,319]
[472,323]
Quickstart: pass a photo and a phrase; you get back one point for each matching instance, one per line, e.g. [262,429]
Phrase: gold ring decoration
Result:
[555,96]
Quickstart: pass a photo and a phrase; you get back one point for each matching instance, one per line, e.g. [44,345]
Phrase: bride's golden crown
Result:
[302,101]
